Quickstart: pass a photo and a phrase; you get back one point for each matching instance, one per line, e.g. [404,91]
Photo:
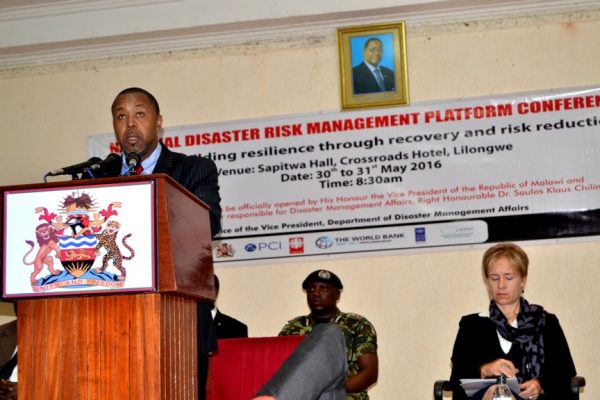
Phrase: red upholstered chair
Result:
[241,366]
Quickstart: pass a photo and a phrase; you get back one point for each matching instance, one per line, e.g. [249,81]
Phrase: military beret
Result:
[322,275]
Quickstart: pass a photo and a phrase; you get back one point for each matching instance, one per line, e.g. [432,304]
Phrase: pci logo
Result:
[263,246]
[420,235]
[296,245]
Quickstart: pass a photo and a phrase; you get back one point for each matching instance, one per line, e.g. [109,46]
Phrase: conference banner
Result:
[514,167]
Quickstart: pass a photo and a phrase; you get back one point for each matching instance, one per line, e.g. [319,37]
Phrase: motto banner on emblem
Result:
[515,167]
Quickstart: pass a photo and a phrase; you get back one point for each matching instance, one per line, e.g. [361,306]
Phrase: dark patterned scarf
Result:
[528,335]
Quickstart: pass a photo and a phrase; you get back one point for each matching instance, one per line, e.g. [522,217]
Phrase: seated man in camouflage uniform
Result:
[323,290]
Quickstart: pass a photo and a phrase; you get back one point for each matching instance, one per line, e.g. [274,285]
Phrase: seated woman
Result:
[513,338]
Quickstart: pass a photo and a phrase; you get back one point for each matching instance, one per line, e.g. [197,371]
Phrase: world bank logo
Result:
[324,242]
[250,247]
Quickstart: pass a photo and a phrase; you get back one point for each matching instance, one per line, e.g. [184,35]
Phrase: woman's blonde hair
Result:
[516,255]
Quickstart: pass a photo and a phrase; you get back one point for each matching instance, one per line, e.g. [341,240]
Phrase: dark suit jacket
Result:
[8,343]
[228,327]
[363,80]
[477,344]
[197,174]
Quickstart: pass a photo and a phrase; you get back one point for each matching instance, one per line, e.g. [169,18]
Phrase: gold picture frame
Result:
[384,46]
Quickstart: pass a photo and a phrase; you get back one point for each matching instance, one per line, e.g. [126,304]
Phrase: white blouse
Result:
[504,344]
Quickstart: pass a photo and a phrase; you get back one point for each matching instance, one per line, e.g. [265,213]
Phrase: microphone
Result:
[110,161]
[74,169]
[110,166]
[133,159]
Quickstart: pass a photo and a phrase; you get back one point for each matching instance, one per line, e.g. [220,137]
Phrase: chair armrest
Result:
[439,387]
[576,383]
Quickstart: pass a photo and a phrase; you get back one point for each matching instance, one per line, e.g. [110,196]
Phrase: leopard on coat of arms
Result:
[107,239]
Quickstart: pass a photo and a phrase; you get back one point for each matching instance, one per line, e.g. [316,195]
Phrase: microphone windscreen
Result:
[133,159]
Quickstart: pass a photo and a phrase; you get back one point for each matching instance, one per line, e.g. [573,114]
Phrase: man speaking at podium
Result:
[137,121]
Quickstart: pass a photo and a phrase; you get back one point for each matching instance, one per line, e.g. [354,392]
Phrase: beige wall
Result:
[414,299]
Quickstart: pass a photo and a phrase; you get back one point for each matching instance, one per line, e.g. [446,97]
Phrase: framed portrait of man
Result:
[373,71]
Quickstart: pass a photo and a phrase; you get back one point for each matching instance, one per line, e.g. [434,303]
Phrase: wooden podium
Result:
[138,345]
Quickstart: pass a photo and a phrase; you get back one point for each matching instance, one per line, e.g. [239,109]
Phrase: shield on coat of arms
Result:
[77,254]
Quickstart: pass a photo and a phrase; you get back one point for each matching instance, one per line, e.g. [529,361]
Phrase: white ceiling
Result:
[34,32]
